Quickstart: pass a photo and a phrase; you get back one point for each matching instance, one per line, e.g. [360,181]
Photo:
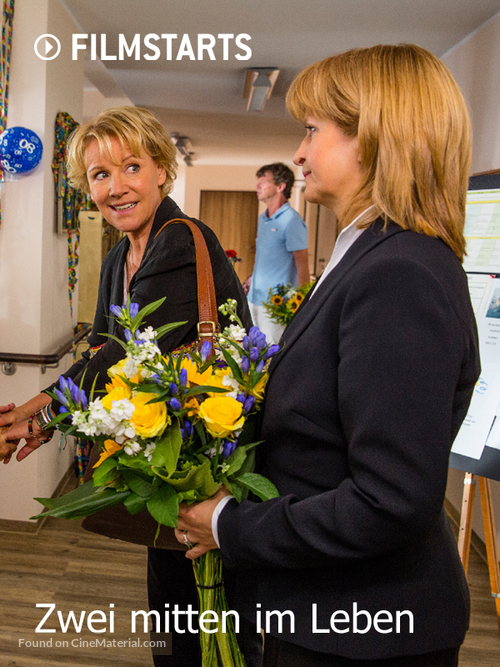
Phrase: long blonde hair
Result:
[138,128]
[413,129]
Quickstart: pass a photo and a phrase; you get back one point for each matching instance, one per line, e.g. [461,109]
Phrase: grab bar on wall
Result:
[10,359]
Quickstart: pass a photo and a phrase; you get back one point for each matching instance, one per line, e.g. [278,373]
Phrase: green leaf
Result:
[249,462]
[204,389]
[148,309]
[83,501]
[258,485]
[92,389]
[135,463]
[200,431]
[161,331]
[234,487]
[160,398]
[230,361]
[135,503]
[105,472]
[196,477]
[150,388]
[124,345]
[60,417]
[168,447]
[80,493]
[164,505]
[249,434]
[137,484]
[235,460]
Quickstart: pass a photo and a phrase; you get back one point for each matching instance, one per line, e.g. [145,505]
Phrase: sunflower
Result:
[276,300]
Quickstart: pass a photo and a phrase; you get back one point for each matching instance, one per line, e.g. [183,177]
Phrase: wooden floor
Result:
[77,571]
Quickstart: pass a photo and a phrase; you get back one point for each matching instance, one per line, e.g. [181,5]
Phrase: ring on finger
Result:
[187,542]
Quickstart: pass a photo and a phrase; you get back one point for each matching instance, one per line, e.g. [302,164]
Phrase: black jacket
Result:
[167,269]
[361,410]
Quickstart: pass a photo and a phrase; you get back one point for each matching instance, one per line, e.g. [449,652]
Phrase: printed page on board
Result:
[482,231]
[472,437]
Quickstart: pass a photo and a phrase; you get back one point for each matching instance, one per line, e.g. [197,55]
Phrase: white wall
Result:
[34,305]
[475,65]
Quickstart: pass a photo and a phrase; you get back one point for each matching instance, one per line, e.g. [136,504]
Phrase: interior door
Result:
[233,217]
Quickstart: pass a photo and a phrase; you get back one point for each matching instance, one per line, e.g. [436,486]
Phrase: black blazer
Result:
[168,268]
[361,410]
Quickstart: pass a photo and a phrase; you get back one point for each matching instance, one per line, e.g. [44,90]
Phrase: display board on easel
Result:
[477,446]
[476,449]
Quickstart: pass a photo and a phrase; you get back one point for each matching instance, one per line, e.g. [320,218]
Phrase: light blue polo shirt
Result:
[278,237]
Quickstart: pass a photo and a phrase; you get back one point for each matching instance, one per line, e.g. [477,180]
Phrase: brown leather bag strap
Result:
[208,322]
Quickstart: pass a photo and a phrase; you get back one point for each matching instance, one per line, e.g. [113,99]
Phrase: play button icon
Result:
[45,45]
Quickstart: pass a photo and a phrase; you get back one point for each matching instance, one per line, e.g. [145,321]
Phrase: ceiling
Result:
[202,98]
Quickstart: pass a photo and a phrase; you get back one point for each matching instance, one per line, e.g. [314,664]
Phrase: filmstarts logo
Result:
[47,47]
[170,46]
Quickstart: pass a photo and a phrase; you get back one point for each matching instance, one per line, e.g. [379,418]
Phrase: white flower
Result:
[236,332]
[132,447]
[121,431]
[130,367]
[210,452]
[146,374]
[148,334]
[122,409]
[230,382]
[148,452]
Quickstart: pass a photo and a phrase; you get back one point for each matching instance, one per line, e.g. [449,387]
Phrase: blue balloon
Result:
[20,150]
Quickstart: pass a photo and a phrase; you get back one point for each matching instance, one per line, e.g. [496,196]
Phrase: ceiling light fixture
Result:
[184,146]
[259,84]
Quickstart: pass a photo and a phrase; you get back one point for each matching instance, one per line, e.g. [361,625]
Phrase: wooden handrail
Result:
[44,360]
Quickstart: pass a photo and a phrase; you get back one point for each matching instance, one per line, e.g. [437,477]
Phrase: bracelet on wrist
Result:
[42,441]
[43,417]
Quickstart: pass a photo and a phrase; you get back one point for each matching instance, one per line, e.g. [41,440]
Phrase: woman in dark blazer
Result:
[373,381]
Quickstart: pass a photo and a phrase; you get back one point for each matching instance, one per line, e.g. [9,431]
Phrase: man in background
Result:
[281,245]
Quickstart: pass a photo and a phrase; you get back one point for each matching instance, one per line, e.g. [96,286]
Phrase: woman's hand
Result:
[21,431]
[7,447]
[10,415]
[195,522]
[14,427]
[7,417]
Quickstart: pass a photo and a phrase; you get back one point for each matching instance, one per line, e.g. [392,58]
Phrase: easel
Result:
[465,531]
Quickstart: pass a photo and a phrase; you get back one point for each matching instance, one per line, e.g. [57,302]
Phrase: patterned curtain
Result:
[7,19]
[69,200]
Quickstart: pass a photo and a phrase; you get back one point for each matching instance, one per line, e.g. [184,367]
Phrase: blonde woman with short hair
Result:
[125,160]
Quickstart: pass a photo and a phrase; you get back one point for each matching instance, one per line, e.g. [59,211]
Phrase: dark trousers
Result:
[171,581]
[278,653]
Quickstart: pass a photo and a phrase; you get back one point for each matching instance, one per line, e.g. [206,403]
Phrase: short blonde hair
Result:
[138,128]
[413,128]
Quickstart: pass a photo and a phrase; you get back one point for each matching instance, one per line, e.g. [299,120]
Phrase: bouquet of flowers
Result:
[172,428]
[283,301]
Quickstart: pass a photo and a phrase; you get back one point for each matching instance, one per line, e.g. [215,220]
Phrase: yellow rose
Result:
[116,394]
[222,415]
[110,447]
[150,419]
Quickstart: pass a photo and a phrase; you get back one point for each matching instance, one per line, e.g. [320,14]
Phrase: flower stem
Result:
[219,649]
